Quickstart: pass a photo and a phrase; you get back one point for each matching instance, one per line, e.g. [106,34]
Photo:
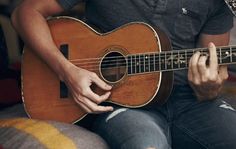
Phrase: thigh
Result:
[131,129]
[209,124]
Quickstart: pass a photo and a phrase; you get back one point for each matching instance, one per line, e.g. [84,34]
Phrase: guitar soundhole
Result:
[113,67]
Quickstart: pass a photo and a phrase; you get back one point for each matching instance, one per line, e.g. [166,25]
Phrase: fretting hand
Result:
[206,80]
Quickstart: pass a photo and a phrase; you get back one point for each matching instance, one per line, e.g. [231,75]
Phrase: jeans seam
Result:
[194,137]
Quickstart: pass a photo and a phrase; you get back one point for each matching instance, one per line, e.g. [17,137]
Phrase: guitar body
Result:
[43,94]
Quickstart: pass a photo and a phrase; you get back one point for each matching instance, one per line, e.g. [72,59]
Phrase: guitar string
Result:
[133,64]
[144,67]
[160,53]
[115,58]
[123,61]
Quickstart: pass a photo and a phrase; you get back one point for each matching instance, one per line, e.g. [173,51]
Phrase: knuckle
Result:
[196,82]
[84,92]
[80,100]
[201,63]
[225,76]
[204,79]
[95,109]
[97,101]
[93,75]
[88,111]
[213,78]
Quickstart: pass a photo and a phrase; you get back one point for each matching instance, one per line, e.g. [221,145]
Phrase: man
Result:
[192,117]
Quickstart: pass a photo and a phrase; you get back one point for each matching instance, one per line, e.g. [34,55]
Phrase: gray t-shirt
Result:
[181,20]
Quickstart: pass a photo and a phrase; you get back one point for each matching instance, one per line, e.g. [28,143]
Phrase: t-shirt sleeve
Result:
[67,4]
[220,21]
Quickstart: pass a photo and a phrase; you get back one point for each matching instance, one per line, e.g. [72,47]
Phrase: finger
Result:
[81,104]
[190,73]
[95,97]
[213,61]
[193,66]
[223,72]
[190,76]
[96,108]
[100,83]
[202,68]
[91,107]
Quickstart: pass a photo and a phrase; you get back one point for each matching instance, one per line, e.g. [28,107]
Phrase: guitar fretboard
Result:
[174,60]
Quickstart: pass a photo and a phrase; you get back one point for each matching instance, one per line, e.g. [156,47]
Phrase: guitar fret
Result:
[178,60]
[160,62]
[172,57]
[165,61]
[131,68]
[149,62]
[133,64]
[169,60]
[233,54]
[231,59]
[137,63]
[152,64]
[157,66]
[183,59]
[175,60]
[129,65]
[186,59]
[154,61]
[146,68]
[225,55]
[220,56]
[142,64]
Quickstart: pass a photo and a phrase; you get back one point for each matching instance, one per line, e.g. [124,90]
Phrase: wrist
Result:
[209,96]
[63,69]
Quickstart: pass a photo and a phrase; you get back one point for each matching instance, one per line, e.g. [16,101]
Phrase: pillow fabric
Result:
[23,133]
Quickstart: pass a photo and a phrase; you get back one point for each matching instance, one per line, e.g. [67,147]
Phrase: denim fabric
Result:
[133,129]
[183,122]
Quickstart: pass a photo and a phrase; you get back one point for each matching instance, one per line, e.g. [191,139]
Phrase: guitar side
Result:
[42,88]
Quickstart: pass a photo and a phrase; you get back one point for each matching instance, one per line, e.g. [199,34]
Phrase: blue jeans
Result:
[182,123]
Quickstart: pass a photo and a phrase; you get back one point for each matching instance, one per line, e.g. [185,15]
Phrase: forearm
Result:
[32,27]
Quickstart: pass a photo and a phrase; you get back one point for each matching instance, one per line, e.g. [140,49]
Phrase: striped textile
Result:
[23,133]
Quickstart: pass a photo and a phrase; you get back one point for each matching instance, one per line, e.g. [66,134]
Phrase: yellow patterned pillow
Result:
[23,133]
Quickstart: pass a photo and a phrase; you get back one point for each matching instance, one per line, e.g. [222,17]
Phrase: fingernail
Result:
[211,45]
[111,108]
[109,93]
[109,86]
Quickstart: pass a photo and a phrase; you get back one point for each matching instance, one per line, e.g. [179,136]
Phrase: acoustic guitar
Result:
[135,58]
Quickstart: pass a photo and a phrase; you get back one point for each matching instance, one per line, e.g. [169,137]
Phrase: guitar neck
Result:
[175,59]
